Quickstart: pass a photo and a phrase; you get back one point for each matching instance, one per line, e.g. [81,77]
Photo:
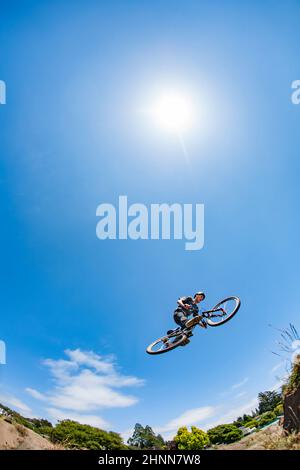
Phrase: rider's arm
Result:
[181,303]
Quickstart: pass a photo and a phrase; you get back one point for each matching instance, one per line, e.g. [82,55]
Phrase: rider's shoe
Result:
[187,341]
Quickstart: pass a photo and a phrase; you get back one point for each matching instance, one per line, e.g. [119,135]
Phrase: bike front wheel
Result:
[224,311]
[166,343]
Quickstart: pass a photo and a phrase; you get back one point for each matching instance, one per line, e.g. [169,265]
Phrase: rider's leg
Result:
[180,318]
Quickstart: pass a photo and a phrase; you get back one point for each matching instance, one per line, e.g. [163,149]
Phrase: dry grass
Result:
[268,439]
[21,430]
[16,436]
[291,442]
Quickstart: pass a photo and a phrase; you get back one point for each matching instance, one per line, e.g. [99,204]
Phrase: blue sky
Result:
[77,312]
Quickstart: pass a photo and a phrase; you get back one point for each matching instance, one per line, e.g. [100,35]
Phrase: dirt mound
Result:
[15,436]
[291,402]
[270,438]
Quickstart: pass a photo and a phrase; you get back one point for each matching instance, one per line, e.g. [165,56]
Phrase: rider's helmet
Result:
[200,293]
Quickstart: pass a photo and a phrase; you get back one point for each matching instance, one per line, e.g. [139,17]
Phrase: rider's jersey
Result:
[190,301]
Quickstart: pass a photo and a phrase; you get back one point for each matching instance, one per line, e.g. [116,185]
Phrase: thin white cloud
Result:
[15,403]
[233,387]
[233,413]
[35,394]
[200,417]
[92,420]
[86,382]
[240,395]
[281,381]
[240,384]
[276,367]
[188,418]
[100,363]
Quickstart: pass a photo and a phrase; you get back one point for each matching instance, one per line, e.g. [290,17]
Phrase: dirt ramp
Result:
[15,436]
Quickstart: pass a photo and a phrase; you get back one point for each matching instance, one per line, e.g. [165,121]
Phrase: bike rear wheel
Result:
[166,343]
[225,310]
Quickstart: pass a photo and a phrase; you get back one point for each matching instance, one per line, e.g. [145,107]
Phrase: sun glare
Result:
[173,111]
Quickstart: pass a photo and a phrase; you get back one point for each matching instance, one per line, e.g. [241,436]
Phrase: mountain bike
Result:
[218,315]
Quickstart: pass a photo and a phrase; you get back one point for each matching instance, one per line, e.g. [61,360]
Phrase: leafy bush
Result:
[266,418]
[194,440]
[44,431]
[83,436]
[279,409]
[243,421]
[224,433]
[40,423]
[252,424]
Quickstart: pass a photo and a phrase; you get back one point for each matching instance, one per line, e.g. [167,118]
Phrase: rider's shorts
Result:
[180,318]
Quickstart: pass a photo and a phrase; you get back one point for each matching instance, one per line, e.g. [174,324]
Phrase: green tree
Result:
[246,418]
[40,423]
[267,401]
[224,434]
[243,421]
[44,431]
[196,439]
[145,438]
[238,422]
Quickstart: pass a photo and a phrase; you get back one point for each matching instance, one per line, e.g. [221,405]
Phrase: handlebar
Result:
[213,311]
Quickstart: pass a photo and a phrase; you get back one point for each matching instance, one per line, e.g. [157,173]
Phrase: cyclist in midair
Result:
[187,306]
[221,313]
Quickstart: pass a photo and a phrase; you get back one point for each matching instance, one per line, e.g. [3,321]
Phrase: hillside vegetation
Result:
[65,434]
[18,437]
[260,430]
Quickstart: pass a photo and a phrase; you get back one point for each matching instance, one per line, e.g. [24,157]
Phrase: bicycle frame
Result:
[190,324]
[207,314]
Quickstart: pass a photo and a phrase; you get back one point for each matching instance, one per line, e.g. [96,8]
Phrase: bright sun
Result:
[173,111]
